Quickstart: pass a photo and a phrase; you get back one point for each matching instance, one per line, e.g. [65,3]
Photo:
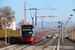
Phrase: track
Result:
[42,45]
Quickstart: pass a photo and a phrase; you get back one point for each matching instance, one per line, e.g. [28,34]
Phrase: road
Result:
[46,44]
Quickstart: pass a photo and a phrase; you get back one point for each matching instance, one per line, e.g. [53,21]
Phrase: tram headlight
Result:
[31,38]
[22,38]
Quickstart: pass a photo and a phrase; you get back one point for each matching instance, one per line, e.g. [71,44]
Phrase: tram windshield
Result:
[27,31]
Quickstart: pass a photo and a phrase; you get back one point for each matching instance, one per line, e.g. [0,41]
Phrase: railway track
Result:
[42,45]
[35,45]
[47,46]
[51,45]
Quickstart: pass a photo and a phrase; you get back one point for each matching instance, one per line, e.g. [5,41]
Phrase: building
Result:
[9,24]
[12,24]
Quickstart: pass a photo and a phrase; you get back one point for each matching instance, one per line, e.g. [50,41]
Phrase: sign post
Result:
[9,34]
[5,33]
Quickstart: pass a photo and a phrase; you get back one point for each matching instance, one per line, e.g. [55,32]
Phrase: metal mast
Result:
[25,12]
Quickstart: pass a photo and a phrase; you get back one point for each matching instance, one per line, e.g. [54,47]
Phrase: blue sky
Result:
[64,9]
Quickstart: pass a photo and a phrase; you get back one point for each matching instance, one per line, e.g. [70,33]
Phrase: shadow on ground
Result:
[13,40]
[70,40]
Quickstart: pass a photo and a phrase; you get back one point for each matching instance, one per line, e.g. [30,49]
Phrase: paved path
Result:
[67,45]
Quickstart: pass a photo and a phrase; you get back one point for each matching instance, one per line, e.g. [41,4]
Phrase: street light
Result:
[61,29]
[69,20]
[73,9]
[71,25]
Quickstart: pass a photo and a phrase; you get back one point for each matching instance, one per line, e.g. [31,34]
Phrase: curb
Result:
[58,44]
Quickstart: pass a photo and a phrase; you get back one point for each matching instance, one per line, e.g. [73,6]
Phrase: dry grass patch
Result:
[12,33]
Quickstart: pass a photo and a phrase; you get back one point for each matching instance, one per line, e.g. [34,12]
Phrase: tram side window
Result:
[35,33]
[41,33]
[38,34]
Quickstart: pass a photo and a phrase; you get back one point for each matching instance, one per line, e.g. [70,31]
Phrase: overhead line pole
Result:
[43,17]
[35,15]
[25,12]
[62,31]
[71,26]
[42,22]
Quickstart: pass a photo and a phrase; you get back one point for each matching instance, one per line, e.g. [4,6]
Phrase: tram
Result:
[31,33]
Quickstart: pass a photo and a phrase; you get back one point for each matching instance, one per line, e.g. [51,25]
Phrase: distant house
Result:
[10,24]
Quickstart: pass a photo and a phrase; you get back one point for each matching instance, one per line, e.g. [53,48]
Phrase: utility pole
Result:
[62,30]
[42,19]
[42,22]
[32,20]
[9,33]
[35,18]
[5,33]
[59,27]
[53,10]
[74,15]
[65,31]
[25,12]
[71,25]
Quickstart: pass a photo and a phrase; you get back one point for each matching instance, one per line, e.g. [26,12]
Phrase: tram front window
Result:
[26,32]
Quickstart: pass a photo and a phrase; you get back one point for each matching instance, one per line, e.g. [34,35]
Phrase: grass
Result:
[69,31]
[74,37]
[12,33]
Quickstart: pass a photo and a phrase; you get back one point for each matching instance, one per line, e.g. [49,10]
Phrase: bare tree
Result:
[22,23]
[6,12]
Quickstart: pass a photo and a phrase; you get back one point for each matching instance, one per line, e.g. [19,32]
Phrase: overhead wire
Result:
[50,7]
[29,4]
[38,4]
[30,13]
[34,1]
[35,4]
[48,4]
